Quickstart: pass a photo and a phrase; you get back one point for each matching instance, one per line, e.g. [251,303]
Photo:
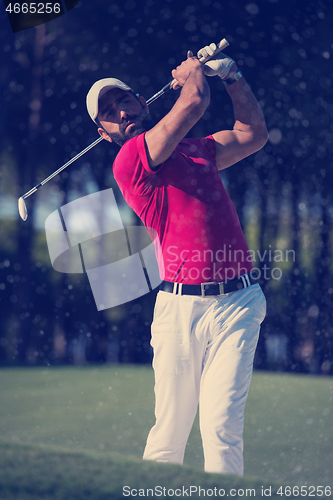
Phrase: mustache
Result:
[125,121]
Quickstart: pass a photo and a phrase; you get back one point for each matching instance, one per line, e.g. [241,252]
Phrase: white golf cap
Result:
[98,90]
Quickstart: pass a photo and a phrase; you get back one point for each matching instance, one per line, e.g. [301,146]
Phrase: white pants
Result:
[203,353]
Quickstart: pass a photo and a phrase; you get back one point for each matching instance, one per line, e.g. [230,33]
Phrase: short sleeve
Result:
[209,143]
[131,168]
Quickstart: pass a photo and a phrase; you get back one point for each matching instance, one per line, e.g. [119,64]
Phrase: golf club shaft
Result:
[34,189]
[222,45]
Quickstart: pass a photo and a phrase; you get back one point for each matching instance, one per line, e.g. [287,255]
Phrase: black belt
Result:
[210,288]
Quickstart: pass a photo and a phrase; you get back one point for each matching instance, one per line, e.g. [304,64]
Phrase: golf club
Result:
[22,207]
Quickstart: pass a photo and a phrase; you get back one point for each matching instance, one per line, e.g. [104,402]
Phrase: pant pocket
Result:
[170,337]
[171,358]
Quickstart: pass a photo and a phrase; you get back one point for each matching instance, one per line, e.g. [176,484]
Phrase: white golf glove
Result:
[219,66]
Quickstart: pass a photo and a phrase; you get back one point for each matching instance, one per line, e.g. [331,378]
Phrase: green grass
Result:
[84,429]
[31,472]
[103,408]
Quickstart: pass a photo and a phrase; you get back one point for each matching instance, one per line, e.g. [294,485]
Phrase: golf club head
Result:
[22,207]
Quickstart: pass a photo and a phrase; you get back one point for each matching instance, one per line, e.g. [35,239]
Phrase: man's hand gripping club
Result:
[222,65]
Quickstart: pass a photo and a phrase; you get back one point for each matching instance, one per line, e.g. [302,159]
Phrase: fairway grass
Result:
[100,416]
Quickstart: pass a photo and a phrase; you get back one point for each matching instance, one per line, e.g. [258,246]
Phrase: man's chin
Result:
[132,131]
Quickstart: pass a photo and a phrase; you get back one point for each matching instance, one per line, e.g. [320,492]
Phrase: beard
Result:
[143,122]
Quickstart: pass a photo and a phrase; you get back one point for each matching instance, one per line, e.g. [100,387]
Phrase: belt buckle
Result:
[203,287]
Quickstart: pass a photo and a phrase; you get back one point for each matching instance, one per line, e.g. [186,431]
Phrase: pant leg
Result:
[226,379]
[177,367]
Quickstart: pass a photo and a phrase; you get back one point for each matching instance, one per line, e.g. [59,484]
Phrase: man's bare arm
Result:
[249,133]
[188,109]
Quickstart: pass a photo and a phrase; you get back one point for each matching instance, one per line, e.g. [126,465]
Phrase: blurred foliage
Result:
[283,193]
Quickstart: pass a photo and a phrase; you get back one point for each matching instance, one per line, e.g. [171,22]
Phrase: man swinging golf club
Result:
[209,308]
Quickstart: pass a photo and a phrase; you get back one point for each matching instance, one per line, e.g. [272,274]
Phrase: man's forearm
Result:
[162,139]
[247,112]
[195,89]
[249,133]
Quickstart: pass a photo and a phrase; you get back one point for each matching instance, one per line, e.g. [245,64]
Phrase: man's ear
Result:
[143,102]
[103,134]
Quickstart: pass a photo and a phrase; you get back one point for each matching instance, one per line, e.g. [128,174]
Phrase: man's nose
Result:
[123,114]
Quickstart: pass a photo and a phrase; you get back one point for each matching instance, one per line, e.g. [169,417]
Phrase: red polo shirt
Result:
[185,202]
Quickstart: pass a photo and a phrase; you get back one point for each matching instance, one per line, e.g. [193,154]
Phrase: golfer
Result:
[210,306]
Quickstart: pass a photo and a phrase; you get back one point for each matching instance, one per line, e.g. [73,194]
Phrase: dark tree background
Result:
[283,193]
